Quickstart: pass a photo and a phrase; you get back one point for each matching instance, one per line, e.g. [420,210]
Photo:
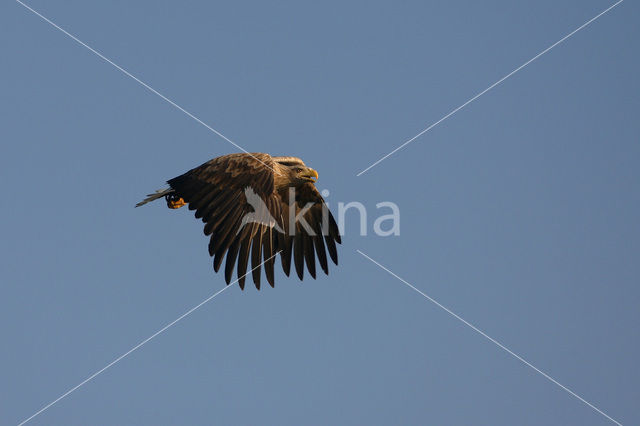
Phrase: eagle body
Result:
[256,207]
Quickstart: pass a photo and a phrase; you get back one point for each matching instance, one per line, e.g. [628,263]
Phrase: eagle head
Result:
[293,172]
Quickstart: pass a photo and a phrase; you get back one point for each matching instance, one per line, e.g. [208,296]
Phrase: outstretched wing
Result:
[219,190]
[310,231]
[215,190]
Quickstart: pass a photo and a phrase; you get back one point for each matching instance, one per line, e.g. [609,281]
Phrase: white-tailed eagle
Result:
[255,205]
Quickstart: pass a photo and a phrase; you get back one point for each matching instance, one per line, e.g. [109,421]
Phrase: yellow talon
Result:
[175,202]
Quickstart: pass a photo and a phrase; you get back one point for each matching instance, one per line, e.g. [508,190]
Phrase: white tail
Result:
[158,194]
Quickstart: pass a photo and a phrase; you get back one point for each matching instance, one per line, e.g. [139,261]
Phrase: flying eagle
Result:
[257,205]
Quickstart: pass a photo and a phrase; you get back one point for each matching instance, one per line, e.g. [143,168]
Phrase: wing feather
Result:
[309,255]
[243,259]
[268,252]
[319,246]
[256,255]
[286,242]
[224,211]
[231,259]
[298,253]
[331,246]
[224,241]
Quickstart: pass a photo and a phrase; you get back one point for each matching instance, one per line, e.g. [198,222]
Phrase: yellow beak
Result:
[311,174]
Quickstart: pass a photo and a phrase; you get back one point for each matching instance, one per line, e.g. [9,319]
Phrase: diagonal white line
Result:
[142,83]
[139,345]
[490,87]
[491,339]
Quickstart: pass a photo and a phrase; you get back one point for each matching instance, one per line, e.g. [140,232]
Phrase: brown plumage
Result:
[233,194]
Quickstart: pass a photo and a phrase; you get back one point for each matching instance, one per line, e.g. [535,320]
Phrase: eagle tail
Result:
[158,194]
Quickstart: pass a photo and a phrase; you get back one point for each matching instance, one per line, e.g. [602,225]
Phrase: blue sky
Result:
[519,213]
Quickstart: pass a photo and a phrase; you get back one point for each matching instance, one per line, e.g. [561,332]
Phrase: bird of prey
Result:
[255,205]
